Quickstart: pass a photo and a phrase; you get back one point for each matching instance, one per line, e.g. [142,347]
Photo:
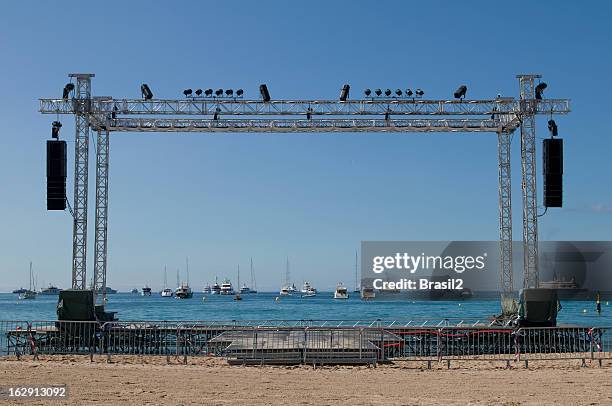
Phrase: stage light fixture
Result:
[539,90]
[398,92]
[67,89]
[378,92]
[198,92]
[388,92]
[219,92]
[552,127]
[146,92]
[265,94]
[229,92]
[460,92]
[239,92]
[409,92]
[208,92]
[367,92]
[187,92]
[419,92]
[344,94]
[55,129]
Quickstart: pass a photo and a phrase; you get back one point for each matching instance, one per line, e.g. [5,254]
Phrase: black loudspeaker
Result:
[553,172]
[56,175]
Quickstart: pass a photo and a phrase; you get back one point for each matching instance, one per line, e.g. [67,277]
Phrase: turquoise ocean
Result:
[264,306]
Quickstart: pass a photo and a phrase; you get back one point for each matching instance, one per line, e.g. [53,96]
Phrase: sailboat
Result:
[184,291]
[288,288]
[167,292]
[30,293]
[244,289]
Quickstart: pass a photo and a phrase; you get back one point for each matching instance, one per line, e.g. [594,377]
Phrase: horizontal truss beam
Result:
[106,106]
[301,125]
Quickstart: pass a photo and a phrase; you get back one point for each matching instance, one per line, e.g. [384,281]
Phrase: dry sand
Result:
[210,381]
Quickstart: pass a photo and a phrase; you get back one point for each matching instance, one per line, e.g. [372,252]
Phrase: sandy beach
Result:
[211,381]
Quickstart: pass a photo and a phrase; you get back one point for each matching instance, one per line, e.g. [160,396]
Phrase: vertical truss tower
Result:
[528,110]
[82,107]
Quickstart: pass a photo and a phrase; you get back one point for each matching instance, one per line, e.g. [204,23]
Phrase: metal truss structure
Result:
[502,116]
[82,103]
[528,111]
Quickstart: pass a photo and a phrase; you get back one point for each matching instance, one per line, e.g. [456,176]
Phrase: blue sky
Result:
[221,199]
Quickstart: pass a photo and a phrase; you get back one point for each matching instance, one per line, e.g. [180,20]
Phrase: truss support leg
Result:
[528,165]
[100,248]
[81,161]
[508,302]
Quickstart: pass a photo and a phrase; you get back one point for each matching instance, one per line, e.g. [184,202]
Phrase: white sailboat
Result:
[166,292]
[288,289]
[184,291]
[244,289]
[30,293]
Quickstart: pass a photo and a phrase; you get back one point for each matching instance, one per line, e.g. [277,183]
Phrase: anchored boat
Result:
[226,288]
[30,293]
[166,292]
[146,291]
[341,292]
[308,290]
[50,291]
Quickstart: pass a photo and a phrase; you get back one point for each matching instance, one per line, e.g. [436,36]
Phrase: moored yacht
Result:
[216,289]
[341,292]
[146,291]
[226,288]
[207,289]
[367,293]
[308,290]
[50,291]
[183,292]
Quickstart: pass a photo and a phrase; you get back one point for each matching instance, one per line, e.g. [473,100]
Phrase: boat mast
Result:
[187,266]
[252,276]
[287,278]
[238,276]
[165,278]
[356,274]
[30,276]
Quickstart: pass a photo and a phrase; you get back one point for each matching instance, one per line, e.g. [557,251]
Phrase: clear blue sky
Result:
[221,199]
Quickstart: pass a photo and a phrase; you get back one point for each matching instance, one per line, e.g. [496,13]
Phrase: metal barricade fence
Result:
[260,342]
[564,342]
[14,337]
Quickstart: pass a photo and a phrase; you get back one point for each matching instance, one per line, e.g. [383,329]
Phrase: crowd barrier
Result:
[308,342]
